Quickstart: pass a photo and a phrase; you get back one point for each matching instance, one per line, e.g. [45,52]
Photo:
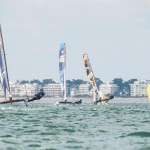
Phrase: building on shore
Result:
[52,90]
[73,92]
[27,89]
[21,90]
[108,88]
[83,90]
[139,88]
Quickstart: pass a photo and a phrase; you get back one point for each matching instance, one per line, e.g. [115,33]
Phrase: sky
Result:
[114,33]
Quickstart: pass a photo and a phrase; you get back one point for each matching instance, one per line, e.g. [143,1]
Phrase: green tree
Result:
[78,81]
[125,89]
[74,83]
[98,82]
[69,83]
[24,81]
[131,81]
[119,82]
[35,81]
[48,81]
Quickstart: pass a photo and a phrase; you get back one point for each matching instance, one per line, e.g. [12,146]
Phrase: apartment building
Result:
[52,90]
[108,88]
[83,89]
[27,89]
[139,88]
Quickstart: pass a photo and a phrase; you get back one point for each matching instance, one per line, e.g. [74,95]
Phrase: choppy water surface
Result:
[86,126]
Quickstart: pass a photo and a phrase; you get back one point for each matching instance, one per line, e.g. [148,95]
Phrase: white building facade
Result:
[83,89]
[73,92]
[23,89]
[52,90]
[108,88]
[139,88]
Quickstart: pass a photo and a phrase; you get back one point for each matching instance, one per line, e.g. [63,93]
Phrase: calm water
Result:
[44,126]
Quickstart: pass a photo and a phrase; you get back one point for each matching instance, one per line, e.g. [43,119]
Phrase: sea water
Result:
[45,126]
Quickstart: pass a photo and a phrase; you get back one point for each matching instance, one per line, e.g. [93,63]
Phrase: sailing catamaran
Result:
[62,74]
[4,77]
[98,96]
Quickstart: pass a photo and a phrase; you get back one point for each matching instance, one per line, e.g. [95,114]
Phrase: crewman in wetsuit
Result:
[79,102]
[10,98]
[37,96]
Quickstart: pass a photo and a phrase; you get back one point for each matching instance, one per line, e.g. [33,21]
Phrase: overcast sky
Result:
[114,33]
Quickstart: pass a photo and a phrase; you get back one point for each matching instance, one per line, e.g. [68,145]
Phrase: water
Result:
[44,126]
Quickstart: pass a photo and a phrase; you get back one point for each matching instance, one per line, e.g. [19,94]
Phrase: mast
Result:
[5,65]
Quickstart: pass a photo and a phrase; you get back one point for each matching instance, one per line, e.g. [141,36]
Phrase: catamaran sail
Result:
[62,74]
[62,69]
[3,69]
[148,92]
[91,78]
[98,96]
[4,77]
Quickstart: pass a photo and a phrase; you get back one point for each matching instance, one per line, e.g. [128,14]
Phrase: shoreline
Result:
[89,100]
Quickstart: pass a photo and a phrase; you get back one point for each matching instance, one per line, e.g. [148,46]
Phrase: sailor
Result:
[79,102]
[37,96]
[10,98]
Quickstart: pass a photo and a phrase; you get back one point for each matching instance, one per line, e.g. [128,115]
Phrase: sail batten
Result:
[62,69]
[3,68]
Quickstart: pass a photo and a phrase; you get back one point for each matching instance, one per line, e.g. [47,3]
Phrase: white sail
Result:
[3,69]
[62,74]
[62,69]
[91,77]
[98,96]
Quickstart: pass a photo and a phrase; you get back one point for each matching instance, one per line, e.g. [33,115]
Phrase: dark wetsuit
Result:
[78,102]
[37,96]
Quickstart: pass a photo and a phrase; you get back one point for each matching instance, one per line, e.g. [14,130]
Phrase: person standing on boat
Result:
[37,96]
